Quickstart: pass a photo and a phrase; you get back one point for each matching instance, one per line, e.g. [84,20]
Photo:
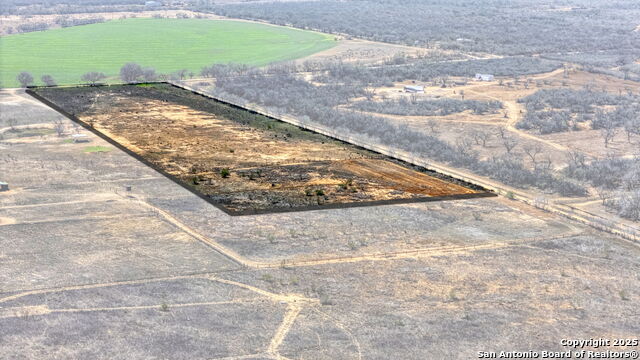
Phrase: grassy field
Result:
[165,44]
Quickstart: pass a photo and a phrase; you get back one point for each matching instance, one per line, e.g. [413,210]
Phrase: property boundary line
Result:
[482,193]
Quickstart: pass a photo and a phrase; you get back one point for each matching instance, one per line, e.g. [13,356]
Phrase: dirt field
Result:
[245,162]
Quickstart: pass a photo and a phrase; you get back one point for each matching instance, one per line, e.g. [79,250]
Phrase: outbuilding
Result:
[484,77]
[4,186]
[414,89]
[80,138]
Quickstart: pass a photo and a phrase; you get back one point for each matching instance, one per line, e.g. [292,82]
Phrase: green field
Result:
[164,44]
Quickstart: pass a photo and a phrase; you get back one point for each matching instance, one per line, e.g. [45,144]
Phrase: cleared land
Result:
[167,45]
[245,162]
[88,270]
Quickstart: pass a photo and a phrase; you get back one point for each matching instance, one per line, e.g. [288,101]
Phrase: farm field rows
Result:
[167,45]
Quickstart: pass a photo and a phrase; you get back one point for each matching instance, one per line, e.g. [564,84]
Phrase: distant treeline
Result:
[39,7]
[494,26]
[424,70]
[67,22]
[426,107]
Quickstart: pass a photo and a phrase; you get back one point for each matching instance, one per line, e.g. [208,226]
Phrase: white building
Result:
[414,89]
[484,77]
[80,138]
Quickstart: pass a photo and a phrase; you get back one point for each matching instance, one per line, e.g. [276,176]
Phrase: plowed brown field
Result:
[244,162]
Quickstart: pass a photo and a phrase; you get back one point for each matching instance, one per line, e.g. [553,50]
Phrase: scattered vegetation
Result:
[558,110]
[427,107]
[617,181]
[97,149]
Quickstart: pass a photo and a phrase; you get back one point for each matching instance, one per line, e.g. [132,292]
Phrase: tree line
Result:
[425,70]
[492,26]
[426,107]
[129,73]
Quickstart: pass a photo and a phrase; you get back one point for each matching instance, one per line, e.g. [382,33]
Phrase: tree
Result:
[25,79]
[149,74]
[131,72]
[532,151]
[433,125]
[93,77]
[369,93]
[604,194]
[58,126]
[608,132]
[181,74]
[502,132]
[481,137]
[509,143]
[576,159]
[463,145]
[632,127]
[48,80]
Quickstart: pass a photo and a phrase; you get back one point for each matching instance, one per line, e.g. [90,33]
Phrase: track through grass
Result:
[167,45]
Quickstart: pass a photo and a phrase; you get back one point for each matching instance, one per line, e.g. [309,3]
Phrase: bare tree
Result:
[181,74]
[48,80]
[532,151]
[509,143]
[502,132]
[433,125]
[93,77]
[576,159]
[603,193]
[462,94]
[25,79]
[131,72]
[545,164]
[149,74]
[369,93]
[632,127]
[608,132]
[463,145]
[58,126]
[481,137]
